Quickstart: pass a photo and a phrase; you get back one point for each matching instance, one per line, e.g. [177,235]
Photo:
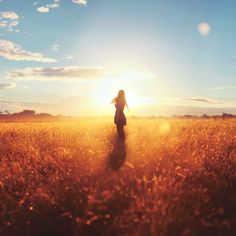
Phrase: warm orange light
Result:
[164,127]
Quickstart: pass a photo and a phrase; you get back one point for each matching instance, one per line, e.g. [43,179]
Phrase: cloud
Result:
[46,8]
[58,73]
[55,47]
[43,9]
[69,57]
[7,85]
[53,5]
[80,2]
[9,15]
[204,100]
[224,87]
[75,73]
[12,51]
[204,29]
[8,20]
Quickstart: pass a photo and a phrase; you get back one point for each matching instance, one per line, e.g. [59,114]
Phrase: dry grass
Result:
[170,177]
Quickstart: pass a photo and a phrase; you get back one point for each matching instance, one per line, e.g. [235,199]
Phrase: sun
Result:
[104,95]
[106,89]
[132,99]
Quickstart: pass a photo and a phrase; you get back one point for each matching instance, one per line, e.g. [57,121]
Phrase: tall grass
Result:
[169,177]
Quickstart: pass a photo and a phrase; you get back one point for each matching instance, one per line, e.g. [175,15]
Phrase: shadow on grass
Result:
[118,154]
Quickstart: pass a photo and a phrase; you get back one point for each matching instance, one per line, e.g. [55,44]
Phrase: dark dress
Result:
[120,119]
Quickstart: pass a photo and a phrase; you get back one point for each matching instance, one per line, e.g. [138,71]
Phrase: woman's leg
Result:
[120,131]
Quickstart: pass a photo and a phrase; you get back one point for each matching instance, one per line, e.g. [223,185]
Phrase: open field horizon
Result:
[169,177]
[117,118]
[32,115]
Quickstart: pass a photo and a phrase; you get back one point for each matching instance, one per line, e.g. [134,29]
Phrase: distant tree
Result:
[226,115]
[188,116]
[205,116]
[44,115]
[28,113]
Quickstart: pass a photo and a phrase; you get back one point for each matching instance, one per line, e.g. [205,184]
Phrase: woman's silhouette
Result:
[120,119]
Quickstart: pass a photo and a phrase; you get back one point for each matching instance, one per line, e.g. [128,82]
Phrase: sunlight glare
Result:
[108,89]
[164,127]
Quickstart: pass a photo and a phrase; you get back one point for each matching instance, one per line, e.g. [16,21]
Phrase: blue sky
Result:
[72,56]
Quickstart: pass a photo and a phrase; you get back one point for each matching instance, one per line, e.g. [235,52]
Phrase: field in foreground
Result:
[170,177]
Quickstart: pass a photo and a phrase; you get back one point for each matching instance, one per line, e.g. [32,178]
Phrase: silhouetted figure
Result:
[120,119]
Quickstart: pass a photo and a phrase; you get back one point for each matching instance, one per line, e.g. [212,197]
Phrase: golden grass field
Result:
[170,177]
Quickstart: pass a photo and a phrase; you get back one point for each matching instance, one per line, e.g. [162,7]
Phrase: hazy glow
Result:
[107,89]
[204,29]
[164,127]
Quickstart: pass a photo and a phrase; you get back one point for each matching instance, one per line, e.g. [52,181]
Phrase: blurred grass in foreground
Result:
[174,177]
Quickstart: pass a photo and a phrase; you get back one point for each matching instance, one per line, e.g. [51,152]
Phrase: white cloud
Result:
[43,9]
[56,4]
[53,5]
[69,57]
[55,47]
[204,29]
[81,2]
[75,73]
[9,15]
[46,8]
[8,20]
[12,51]
[7,85]
[58,73]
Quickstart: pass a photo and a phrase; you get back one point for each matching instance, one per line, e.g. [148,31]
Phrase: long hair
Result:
[120,98]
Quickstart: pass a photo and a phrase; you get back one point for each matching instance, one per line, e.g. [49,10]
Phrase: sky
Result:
[71,57]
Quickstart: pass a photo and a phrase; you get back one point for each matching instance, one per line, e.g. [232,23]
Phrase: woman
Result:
[120,119]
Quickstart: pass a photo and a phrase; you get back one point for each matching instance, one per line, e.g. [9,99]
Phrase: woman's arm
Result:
[127,105]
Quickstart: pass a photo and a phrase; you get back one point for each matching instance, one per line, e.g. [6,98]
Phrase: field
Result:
[169,177]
